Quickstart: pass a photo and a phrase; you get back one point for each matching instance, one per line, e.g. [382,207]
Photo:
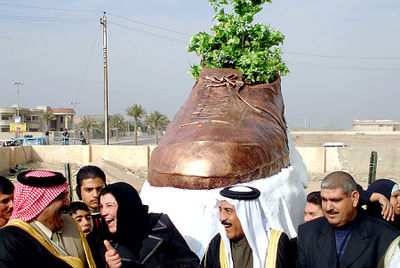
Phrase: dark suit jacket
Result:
[368,242]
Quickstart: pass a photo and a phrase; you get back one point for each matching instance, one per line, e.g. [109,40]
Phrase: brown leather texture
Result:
[227,132]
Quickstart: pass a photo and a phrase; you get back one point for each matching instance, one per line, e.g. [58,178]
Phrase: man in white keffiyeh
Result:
[247,240]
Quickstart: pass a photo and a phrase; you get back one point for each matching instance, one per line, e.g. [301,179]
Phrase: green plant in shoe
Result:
[237,43]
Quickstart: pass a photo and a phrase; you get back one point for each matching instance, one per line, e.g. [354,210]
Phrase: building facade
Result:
[9,115]
[376,125]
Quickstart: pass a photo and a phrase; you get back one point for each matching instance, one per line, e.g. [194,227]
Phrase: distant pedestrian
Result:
[46,140]
[65,137]
[83,139]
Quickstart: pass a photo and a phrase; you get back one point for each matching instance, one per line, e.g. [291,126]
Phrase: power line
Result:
[87,65]
[342,57]
[32,18]
[49,8]
[171,39]
[325,66]
[150,25]
[175,31]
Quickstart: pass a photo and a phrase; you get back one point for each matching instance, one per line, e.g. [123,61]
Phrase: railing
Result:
[27,141]
[60,141]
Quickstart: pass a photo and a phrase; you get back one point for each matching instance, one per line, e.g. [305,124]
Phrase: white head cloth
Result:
[254,223]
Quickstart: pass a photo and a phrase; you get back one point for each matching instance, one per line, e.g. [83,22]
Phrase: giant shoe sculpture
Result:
[227,132]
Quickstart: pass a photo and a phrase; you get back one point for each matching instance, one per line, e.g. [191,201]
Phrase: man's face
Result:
[108,210]
[395,202]
[339,209]
[6,207]
[312,211]
[51,216]
[229,219]
[90,190]
[84,219]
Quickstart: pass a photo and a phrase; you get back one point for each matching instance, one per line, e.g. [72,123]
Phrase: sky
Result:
[343,56]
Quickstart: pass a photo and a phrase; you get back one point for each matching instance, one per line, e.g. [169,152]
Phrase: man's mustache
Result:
[226,224]
[331,212]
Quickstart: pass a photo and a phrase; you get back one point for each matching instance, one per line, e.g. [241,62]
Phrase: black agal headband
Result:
[234,192]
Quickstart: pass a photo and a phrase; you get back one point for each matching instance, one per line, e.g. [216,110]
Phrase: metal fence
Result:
[27,141]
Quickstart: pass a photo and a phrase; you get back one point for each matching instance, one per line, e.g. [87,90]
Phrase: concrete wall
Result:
[12,156]
[57,153]
[317,159]
[354,160]
[133,157]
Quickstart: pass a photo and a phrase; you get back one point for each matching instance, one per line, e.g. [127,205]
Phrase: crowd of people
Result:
[344,226]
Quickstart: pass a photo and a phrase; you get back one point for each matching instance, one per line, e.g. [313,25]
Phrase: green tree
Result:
[158,121]
[88,123]
[117,121]
[47,117]
[237,43]
[137,112]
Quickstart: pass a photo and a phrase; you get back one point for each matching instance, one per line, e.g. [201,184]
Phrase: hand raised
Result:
[112,257]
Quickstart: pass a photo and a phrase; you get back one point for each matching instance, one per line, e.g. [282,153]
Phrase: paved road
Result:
[142,140]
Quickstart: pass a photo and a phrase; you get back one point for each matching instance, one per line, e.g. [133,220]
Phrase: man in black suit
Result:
[345,237]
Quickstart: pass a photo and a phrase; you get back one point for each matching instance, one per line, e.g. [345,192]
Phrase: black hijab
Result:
[382,186]
[133,220]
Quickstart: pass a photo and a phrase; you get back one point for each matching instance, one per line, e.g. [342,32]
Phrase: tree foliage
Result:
[88,123]
[136,111]
[117,121]
[47,117]
[157,120]
[237,43]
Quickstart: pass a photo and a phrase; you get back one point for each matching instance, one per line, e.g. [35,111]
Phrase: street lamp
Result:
[18,84]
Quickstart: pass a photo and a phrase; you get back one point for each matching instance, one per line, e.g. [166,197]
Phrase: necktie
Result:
[56,238]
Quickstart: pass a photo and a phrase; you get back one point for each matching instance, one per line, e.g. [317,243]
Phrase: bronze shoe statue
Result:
[227,132]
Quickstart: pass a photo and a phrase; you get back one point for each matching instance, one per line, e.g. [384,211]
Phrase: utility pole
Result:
[74,103]
[103,21]
[18,84]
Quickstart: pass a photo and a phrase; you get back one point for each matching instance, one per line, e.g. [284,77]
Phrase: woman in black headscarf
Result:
[391,191]
[137,238]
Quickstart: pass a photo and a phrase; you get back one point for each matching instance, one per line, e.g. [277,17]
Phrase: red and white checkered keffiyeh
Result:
[31,201]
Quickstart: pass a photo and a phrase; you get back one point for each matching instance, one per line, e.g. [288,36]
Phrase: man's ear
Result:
[355,196]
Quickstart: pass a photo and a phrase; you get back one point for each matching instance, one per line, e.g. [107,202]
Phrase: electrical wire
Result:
[148,24]
[32,18]
[325,66]
[342,57]
[168,38]
[49,8]
[87,65]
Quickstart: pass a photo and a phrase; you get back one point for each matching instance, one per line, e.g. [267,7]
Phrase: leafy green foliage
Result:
[47,116]
[117,121]
[237,43]
[157,120]
[88,123]
[136,111]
